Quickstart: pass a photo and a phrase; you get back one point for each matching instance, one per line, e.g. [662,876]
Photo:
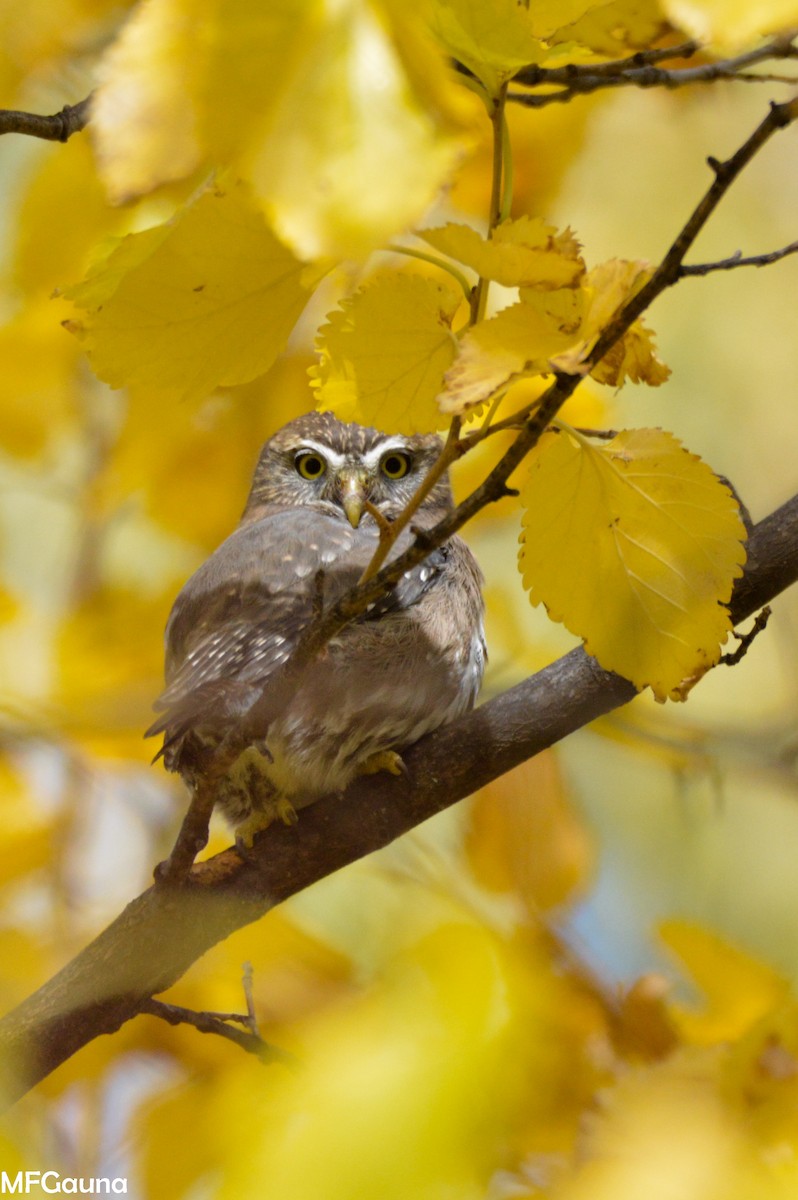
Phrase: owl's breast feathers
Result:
[410,663]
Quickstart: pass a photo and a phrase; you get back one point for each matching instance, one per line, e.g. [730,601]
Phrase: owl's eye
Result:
[309,465]
[395,464]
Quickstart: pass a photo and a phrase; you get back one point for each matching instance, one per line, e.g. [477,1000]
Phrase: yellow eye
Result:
[395,464]
[310,466]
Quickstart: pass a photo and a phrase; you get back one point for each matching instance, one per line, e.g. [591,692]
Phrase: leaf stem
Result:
[443,263]
[507,157]
[479,297]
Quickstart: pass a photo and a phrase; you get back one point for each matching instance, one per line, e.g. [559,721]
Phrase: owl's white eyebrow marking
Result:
[330,456]
[372,457]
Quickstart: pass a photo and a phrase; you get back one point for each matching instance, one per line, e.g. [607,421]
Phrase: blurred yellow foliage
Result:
[330,111]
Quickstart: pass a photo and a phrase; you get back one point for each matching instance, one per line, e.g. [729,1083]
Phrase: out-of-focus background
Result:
[609,918]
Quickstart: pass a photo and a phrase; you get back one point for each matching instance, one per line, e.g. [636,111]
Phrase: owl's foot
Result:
[262,818]
[383,760]
[286,811]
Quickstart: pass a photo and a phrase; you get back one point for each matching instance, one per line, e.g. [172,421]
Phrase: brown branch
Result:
[57,128]
[218,1023]
[161,933]
[737,260]
[640,70]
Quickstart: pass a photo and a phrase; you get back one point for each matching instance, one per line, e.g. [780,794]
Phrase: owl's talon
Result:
[261,819]
[254,824]
[383,760]
[286,811]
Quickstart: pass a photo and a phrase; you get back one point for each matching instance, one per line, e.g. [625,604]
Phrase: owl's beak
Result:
[354,492]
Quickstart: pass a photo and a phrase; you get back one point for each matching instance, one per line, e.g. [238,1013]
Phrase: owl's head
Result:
[321,462]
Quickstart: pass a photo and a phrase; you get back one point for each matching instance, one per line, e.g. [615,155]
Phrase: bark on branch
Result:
[162,932]
[57,128]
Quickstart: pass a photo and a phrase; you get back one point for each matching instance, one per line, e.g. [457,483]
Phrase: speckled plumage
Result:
[410,664]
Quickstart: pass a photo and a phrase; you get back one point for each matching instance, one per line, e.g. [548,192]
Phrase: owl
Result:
[411,662]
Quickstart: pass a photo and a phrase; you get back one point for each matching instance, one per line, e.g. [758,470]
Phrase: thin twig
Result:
[208,1022]
[57,128]
[745,639]
[248,984]
[580,79]
[737,260]
[193,835]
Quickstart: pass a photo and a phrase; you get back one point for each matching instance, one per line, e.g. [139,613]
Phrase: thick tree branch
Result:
[161,933]
[57,128]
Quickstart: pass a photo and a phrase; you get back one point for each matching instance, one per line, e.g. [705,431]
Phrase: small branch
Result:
[247,982]
[640,70]
[534,76]
[208,1022]
[737,260]
[501,146]
[57,128]
[746,639]
[193,835]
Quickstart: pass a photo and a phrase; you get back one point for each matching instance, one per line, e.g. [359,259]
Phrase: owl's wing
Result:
[241,615]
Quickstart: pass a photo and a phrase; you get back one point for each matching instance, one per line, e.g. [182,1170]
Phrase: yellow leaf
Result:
[663,1132]
[109,660]
[634,547]
[523,836]
[142,123]
[384,354]
[615,27]
[28,838]
[345,117]
[49,251]
[549,16]
[364,135]
[174,1131]
[40,384]
[524,252]
[166,453]
[607,288]
[521,340]
[731,24]
[406,1091]
[209,298]
[493,38]
[737,990]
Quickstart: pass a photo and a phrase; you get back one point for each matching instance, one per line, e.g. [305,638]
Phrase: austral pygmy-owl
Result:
[410,663]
